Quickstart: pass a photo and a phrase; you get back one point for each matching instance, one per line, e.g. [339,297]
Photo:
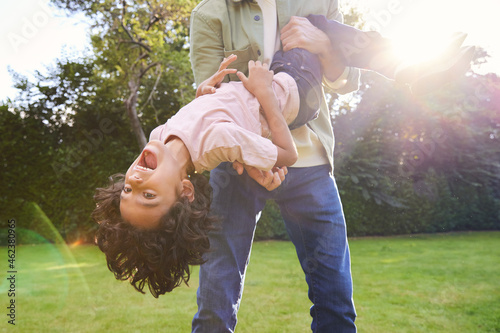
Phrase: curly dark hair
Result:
[157,257]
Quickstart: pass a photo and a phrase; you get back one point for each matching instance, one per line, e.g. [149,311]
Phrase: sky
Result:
[34,33]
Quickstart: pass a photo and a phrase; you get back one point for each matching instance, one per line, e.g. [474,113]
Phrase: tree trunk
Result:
[131,105]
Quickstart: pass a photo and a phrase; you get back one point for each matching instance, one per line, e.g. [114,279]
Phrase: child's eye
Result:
[149,195]
[127,189]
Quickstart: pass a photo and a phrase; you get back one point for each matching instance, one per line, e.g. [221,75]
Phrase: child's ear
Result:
[187,190]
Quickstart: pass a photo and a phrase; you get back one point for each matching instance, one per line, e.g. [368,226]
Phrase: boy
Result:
[153,223]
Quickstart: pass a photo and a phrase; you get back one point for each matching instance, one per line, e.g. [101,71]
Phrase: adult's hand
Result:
[299,32]
[212,83]
[270,180]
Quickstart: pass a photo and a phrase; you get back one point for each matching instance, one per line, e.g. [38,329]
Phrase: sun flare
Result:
[413,48]
[419,31]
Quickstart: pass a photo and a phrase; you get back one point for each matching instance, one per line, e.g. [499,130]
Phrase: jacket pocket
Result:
[241,63]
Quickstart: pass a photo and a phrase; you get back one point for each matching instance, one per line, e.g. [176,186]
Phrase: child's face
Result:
[152,186]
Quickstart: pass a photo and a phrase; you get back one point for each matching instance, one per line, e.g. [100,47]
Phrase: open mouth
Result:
[147,162]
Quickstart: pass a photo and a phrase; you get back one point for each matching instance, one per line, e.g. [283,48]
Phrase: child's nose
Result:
[135,179]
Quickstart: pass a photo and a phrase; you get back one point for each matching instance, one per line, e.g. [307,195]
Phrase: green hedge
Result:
[433,207]
[271,224]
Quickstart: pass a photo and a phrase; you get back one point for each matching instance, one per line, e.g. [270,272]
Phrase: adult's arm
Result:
[349,79]
[299,32]
[207,48]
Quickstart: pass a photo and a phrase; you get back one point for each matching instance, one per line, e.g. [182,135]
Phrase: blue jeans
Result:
[311,209]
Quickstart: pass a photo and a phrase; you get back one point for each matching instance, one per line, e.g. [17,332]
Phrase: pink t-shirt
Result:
[227,126]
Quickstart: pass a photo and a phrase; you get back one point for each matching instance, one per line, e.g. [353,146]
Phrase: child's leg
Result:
[304,67]
[361,49]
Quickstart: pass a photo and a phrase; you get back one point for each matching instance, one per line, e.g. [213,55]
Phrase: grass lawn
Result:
[422,283]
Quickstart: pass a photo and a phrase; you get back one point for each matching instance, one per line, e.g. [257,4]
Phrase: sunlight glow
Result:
[421,30]
[78,242]
[412,48]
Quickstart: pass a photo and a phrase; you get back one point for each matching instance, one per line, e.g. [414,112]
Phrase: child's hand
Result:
[259,80]
[209,85]
[270,180]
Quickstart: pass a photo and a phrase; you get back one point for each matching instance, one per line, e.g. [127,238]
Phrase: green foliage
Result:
[63,137]
[32,226]
[69,130]
[271,224]
[407,164]
[136,43]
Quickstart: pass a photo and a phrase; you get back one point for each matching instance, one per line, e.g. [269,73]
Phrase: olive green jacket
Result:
[220,28]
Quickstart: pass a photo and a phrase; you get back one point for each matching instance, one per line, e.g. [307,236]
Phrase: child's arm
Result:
[259,83]
[270,180]
[209,85]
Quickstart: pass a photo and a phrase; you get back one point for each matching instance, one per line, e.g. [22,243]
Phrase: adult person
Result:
[308,197]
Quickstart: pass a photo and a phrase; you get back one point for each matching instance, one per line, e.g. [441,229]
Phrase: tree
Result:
[135,41]
[67,131]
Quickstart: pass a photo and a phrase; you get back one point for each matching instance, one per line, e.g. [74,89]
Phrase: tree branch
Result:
[152,22]
[136,42]
[151,94]
[153,17]
[141,74]
[142,56]
[129,34]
